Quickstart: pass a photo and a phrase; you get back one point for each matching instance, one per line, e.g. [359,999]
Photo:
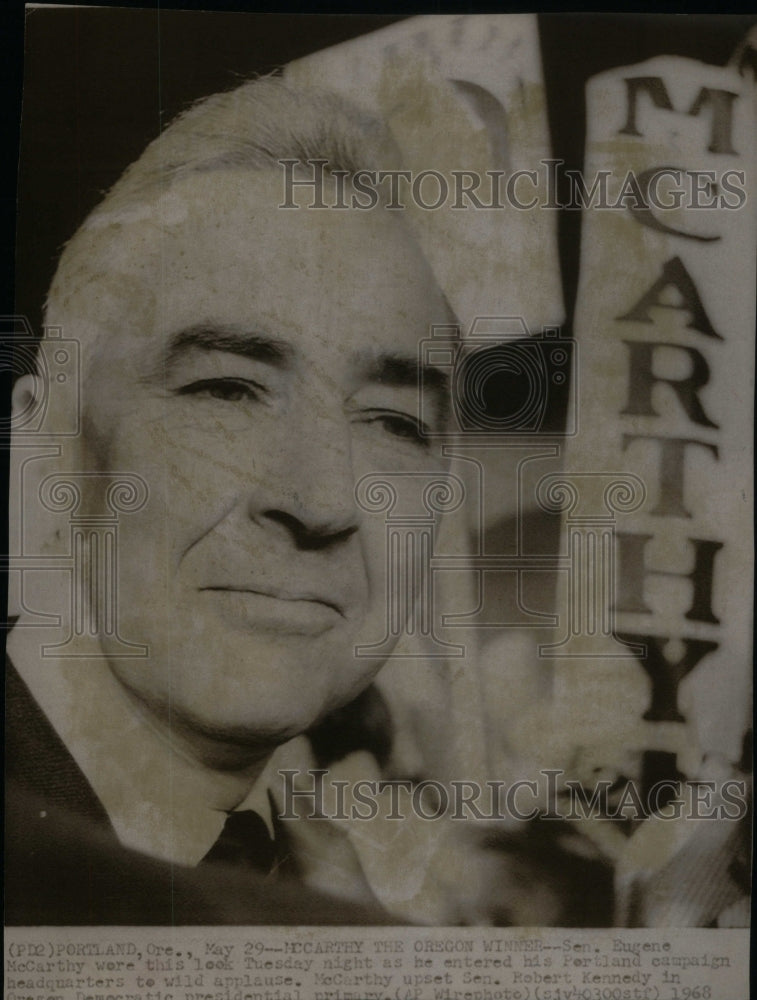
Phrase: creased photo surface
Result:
[380,551]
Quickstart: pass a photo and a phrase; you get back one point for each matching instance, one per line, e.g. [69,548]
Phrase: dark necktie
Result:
[244,841]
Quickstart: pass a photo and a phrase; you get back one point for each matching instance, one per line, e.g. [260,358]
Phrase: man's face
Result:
[271,371]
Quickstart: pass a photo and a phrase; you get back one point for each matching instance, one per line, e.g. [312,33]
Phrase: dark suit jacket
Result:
[64,864]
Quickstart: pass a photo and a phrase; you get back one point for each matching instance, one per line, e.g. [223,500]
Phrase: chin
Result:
[266,733]
[268,728]
[264,718]
[242,690]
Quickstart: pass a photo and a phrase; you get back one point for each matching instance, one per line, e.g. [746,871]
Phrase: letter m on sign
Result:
[719,102]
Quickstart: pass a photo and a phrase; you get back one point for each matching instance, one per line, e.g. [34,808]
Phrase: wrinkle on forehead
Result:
[117,273]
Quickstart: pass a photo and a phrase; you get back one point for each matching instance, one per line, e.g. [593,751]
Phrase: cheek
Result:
[373,545]
[190,481]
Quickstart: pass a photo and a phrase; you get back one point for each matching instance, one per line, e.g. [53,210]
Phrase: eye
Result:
[401,425]
[230,390]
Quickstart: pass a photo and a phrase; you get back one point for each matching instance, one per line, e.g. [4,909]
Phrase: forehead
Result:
[219,251]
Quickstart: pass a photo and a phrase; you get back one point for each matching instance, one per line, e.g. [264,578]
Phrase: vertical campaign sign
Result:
[665,321]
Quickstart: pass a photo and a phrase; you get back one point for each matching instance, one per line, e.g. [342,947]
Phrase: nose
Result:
[310,491]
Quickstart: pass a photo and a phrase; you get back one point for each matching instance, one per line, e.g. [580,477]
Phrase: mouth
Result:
[277,611]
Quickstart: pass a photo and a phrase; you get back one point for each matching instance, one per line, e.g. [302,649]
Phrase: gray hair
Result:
[251,127]
[256,126]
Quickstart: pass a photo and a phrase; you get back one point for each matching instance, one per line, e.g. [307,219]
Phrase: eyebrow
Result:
[396,369]
[406,371]
[231,340]
[387,368]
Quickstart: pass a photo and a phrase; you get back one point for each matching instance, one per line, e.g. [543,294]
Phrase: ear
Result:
[27,394]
